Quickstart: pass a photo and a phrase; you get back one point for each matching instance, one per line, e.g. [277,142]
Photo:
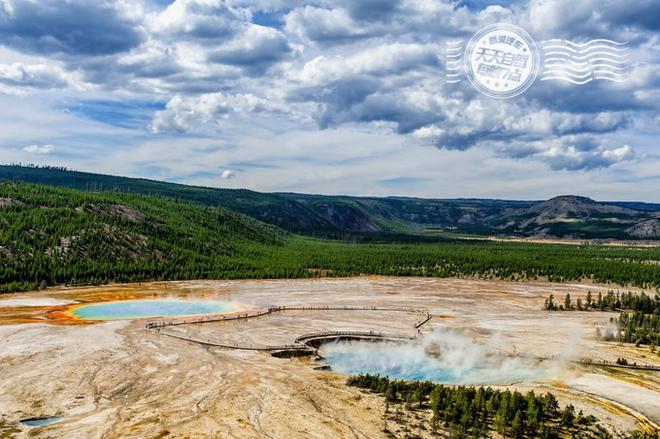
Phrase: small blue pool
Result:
[40,422]
[140,309]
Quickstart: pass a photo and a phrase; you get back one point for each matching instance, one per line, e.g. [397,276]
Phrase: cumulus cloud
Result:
[387,59]
[572,153]
[486,120]
[39,149]
[206,21]
[370,10]
[182,114]
[75,27]
[374,64]
[591,18]
[227,174]
[324,26]
[33,76]
[255,50]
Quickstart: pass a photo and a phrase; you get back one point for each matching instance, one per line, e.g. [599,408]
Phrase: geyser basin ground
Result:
[115,379]
[140,309]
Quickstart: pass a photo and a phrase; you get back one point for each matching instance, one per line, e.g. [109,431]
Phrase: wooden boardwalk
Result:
[300,344]
[303,343]
[161,323]
[603,363]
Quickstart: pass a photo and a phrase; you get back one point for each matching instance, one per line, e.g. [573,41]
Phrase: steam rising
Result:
[444,355]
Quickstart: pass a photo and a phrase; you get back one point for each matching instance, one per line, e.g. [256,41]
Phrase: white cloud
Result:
[207,21]
[39,149]
[19,77]
[322,68]
[183,113]
[227,174]
[320,25]
[380,61]
[572,153]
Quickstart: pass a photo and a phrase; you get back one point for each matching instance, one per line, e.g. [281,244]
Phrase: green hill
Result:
[270,208]
[342,216]
[53,235]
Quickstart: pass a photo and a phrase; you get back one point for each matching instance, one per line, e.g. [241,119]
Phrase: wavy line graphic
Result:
[587,67]
[454,63]
[594,62]
[597,40]
[580,63]
[586,49]
[590,56]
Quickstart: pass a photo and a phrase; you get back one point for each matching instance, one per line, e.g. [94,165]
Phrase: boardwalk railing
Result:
[589,362]
[357,334]
[270,310]
[419,324]
[299,343]
[239,346]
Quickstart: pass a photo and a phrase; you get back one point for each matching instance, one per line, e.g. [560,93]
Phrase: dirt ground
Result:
[115,379]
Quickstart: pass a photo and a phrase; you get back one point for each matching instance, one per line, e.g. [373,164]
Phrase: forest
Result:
[639,328]
[638,321]
[55,236]
[609,302]
[477,412]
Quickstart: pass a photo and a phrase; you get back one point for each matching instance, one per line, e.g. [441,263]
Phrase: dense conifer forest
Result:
[51,236]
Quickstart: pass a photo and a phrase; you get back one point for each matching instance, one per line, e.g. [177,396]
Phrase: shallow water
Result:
[40,422]
[441,356]
[376,360]
[137,309]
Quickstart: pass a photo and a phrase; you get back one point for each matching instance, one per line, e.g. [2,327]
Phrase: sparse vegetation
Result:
[477,412]
[639,328]
[612,301]
[638,321]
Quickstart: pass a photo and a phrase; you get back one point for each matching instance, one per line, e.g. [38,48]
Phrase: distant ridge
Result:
[566,216]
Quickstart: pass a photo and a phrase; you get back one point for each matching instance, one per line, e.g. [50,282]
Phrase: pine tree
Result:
[517,426]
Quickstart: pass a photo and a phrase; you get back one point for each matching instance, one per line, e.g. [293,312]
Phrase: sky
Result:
[330,97]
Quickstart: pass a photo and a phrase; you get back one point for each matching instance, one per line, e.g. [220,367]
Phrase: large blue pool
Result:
[138,309]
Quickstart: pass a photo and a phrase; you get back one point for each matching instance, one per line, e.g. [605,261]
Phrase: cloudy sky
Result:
[334,97]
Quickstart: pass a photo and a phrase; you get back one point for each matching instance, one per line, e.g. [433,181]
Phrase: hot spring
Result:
[140,309]
[442,356]
[40,422]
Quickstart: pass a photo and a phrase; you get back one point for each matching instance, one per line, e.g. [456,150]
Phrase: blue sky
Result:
[334,97]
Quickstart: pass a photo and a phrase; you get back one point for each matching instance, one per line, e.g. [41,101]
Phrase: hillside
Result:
[578,218]
[51,236]
[338,216]
[308,214]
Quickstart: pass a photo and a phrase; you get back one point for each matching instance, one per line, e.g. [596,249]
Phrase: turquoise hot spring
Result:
[140,309]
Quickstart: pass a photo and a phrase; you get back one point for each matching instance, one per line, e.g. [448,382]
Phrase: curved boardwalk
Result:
[307,343]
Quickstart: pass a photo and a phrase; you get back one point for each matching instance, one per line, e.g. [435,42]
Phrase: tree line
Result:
[609,302]
[637,327]
[477,412]
[54,236]
[638,321]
